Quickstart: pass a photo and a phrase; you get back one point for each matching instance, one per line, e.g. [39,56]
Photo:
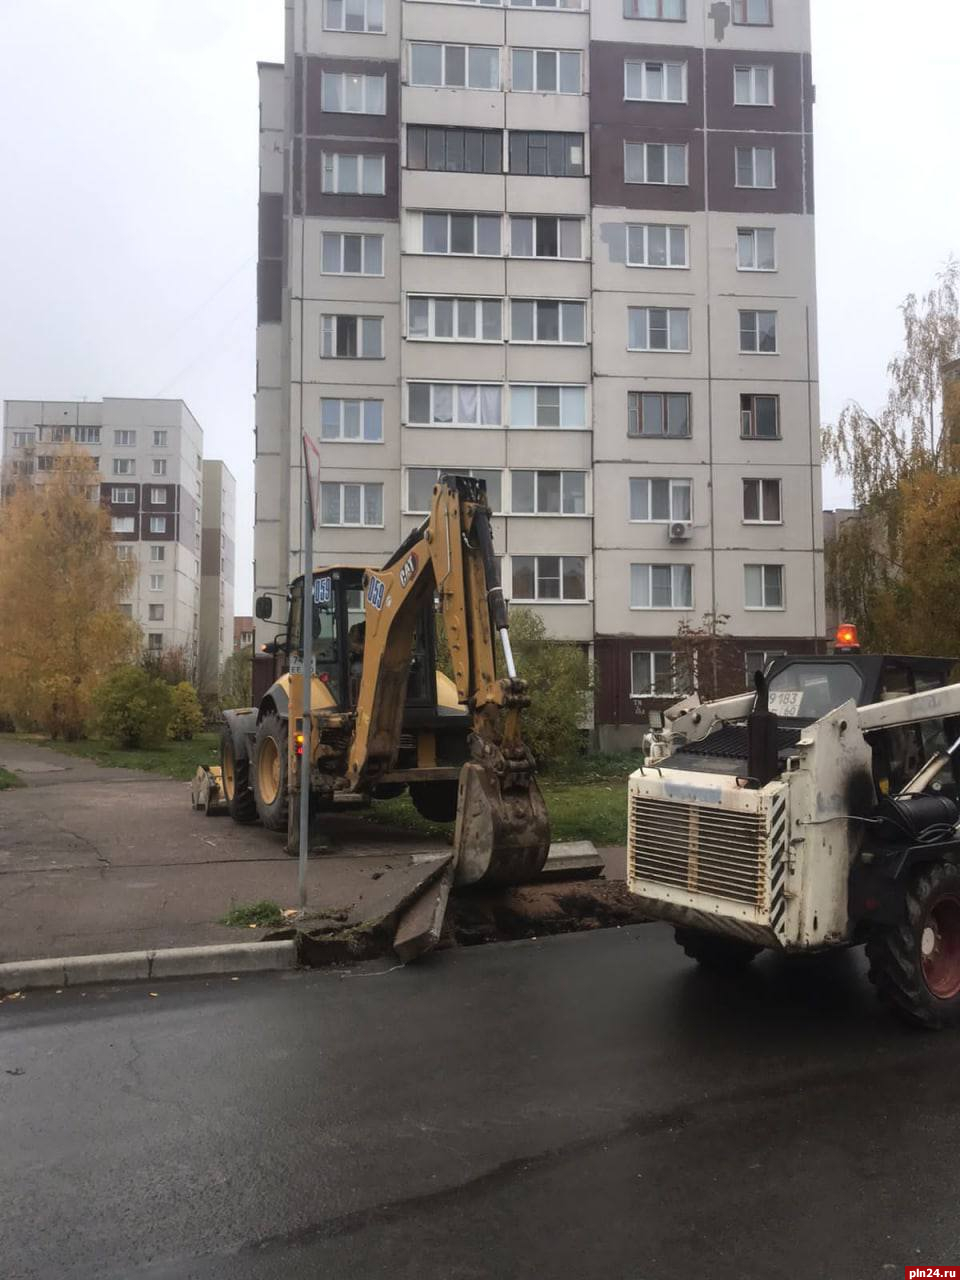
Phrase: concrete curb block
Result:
[132,966]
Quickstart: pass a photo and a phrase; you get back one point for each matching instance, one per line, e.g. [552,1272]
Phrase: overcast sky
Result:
[128,207]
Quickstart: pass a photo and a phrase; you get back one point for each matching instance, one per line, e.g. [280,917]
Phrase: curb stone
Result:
[132,966]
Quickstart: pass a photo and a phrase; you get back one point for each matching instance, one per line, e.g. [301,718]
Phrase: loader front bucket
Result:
[501,837]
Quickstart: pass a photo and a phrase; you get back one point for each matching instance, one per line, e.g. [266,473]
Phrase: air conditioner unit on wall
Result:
[680,530]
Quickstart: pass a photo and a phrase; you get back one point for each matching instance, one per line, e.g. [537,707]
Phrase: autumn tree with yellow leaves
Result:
[61,627]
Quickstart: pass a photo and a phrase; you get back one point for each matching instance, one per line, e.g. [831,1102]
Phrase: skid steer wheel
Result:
[435,801]
[711,951]
[235,775]
[270,772]
[915,966]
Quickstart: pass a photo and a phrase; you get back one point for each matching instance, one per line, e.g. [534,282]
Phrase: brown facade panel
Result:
[607,169]
[785,116]
[342,124]
[792,194]
[614,703]
[607,86]
[210,553]
[319,202]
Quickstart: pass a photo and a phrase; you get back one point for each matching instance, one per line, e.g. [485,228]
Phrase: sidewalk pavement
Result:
[96,860]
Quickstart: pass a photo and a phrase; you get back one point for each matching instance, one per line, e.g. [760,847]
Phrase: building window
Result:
[353,175]
[552,155]
[658,414]
[154,642]
[753,86]
[656,10]
[758,332]
[757,659]
[352,337]
[121,497]
[455,319]
[545,71]
[658,329]
[458,405]
[45,462]
[358,505]
[456,66]
[158,524]
[655,81]
[549,577]
[160,439]
[158,496]
[756,167]
[454,150]
[356,420]
[760,417]
[25,467]
[545,4]
[156,581]
[351,255]
[353,15]
[655,163]
[651,673]
[548,493]
[420,482]
[756,249]
[761,502]
[546,237]
[126,610]
[548,407]
[155,613]
[124,466]
[467,233]
[124,551]
[547,320]
[660,501]
[753,13]
[124,439]
[88,435]
[661,586]
[651,245]
[763,584]
[23,439]
[353,94]
[158,554]
[123,524]
[159,466]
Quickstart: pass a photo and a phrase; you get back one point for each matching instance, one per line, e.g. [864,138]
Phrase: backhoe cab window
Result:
[809,690]
[325,654]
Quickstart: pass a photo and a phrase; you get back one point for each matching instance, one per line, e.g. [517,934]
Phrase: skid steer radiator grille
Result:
[698,848]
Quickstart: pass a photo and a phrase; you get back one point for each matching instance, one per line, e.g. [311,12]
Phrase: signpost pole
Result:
[304,846]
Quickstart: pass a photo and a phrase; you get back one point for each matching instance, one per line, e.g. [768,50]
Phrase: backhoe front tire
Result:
[915,966]
[714,952]
[235,777]
[435,801]
[270,772]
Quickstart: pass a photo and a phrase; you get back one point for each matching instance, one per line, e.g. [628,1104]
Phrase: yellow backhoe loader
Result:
[383,718]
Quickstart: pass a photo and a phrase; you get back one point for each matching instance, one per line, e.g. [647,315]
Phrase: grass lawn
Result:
[586,800]
[8,780]
[173,759]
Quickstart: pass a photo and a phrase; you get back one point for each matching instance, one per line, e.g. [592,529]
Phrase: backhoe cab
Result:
[383,717]
[821,810]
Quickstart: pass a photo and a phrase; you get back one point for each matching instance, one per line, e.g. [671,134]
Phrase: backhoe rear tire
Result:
[715,952]
[235,776]
[435,801]
[270,772]
[915,966]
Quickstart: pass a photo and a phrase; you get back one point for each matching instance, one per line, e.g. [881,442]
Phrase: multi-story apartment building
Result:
[569,249]
[217,571]
[149,456]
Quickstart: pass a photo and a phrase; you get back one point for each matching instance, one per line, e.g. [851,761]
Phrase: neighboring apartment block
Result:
[569,250]
[149,456]
[217,571]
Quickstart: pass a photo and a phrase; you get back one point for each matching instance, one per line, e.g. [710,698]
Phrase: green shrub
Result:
[133,708]
[187,718]
[236,680]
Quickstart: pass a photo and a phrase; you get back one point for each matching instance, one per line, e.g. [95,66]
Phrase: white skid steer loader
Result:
[821,811]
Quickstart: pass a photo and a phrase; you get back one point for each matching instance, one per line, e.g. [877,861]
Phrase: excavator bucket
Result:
[502,836]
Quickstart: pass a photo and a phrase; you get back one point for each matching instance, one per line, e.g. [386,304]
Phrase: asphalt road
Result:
[585,1106]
